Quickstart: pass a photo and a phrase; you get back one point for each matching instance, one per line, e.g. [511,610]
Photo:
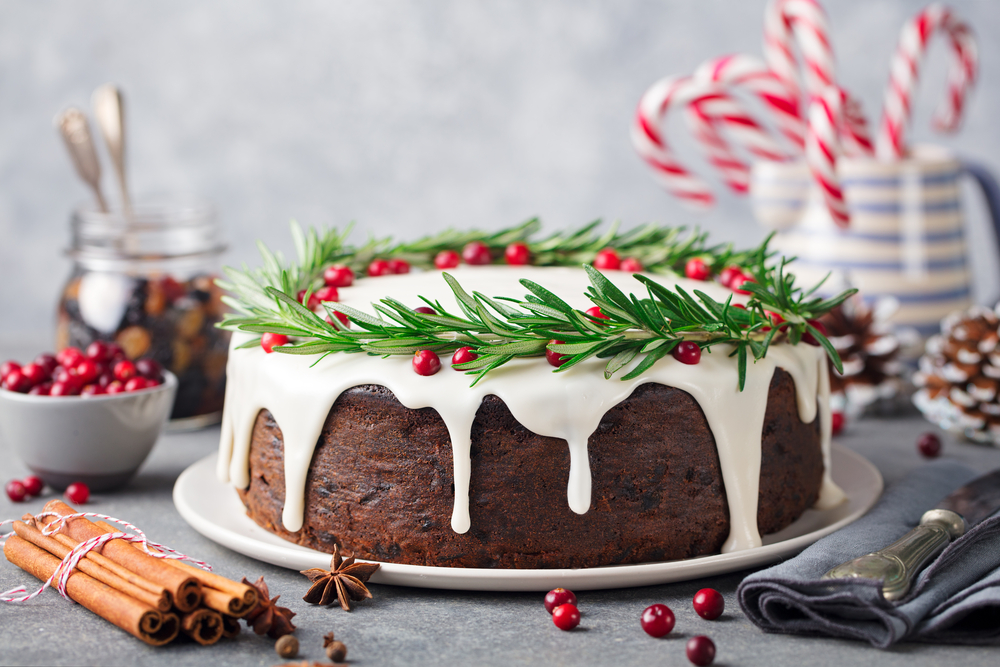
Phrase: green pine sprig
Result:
[644,328]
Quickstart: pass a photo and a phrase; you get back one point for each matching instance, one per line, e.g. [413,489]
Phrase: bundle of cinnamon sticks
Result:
[154,599]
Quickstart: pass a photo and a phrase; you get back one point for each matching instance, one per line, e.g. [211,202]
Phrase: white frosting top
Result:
[567,405]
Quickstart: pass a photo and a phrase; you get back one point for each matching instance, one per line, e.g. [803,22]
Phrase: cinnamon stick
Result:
[203,625]
[185,589]
[135,617]
[230,626]
[223,595]
[114,567]
[31,534]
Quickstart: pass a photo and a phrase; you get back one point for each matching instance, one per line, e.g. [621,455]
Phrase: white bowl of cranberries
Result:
[89,416]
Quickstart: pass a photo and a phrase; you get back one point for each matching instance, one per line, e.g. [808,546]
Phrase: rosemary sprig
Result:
[501,329]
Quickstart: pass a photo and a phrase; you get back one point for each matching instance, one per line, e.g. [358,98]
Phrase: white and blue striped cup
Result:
[906,238]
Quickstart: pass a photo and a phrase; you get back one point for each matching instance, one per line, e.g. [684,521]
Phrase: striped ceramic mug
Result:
[906,238]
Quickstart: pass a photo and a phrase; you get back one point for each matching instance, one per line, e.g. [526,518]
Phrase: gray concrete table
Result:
[408,626]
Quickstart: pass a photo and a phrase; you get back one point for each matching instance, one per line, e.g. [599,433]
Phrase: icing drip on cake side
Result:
[567,405]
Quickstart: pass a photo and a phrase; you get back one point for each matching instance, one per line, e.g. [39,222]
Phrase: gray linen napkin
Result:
[955,600]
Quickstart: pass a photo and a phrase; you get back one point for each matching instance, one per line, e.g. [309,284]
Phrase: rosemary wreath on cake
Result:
[489,332]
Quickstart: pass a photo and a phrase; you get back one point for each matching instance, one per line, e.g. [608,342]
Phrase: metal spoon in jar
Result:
[109,111]
[75,131]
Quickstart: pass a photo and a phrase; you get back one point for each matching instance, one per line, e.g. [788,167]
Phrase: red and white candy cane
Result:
[68,564]
[823,147]
[896,111]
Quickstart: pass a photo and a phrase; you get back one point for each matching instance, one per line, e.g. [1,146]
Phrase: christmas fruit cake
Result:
[597,429]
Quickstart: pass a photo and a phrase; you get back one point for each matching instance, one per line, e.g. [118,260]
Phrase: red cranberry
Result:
[16,491]
[399,266]
[709,604]
[808,337]
[68,388]
[7,367]
[700,650]
[326,293]
[125,370]
[313,300]
[426,362]
[697,269]
[77,493]
[687,352]
[775,318]
[517,254]
[95,390]
[69,357]
[267,341]
[106,378]
[476,253]
[425,310]
[149,368]
[48,362]
[595,313]
[727,275]
[33,485]
[98,351]
[35,373]
[557,597]
[137,383]
[340,316]
[657,620]
[929,445]
[115,352]
[566,616]
[631,265]
[836,422]
[739,280]
[607,260]
[447,259]
[65,375]
[115,387]
[87,371]
[338,275]
[463,355]
[17,381]
[554,358]
[379,267]
[172,289]
[42,389]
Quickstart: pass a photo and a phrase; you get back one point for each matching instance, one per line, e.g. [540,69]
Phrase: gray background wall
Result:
[407,117]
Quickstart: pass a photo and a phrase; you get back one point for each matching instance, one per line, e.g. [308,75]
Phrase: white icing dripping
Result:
[567,405]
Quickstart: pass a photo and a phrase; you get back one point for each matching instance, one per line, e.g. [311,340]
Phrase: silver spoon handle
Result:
[898,564]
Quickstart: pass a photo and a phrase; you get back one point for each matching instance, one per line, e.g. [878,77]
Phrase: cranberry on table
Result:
[326,293]
[554,358]
[313,302]
[463,355]
[399,266]
[447,259]
[517,254]
[700,650]
[77,493]
[16,491]
[566,616]
[631,265]
[426,362]
[425,310]
[595,312]
[775,318]
[379,267]
[476,253]
[125,370]
[837,421]
[818,326]
[557,597]
[709,603]
[607,260]
[728,274]
[697,269]
[267,341]
[657,620]
[687,352]
[338,275]
[33,485]
[340,316]
[929,445]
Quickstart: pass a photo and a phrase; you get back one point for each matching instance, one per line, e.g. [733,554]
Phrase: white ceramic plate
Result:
[214,510]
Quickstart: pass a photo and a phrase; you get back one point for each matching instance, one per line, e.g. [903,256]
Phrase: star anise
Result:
[268,617]
[343,582]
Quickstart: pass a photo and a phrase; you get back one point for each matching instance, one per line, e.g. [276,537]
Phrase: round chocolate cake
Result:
[528,468]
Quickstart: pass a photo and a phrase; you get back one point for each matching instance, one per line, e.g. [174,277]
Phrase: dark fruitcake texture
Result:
[380,485]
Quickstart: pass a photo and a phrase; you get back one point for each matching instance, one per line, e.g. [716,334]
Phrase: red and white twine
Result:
[66,568]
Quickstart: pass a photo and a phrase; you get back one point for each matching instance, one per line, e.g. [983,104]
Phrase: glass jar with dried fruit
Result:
[145,280]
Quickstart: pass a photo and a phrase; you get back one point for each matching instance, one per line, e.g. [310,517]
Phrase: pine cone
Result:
[868,351]
[959,375]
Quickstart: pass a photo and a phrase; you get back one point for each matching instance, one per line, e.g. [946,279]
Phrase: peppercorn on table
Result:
[411,626]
